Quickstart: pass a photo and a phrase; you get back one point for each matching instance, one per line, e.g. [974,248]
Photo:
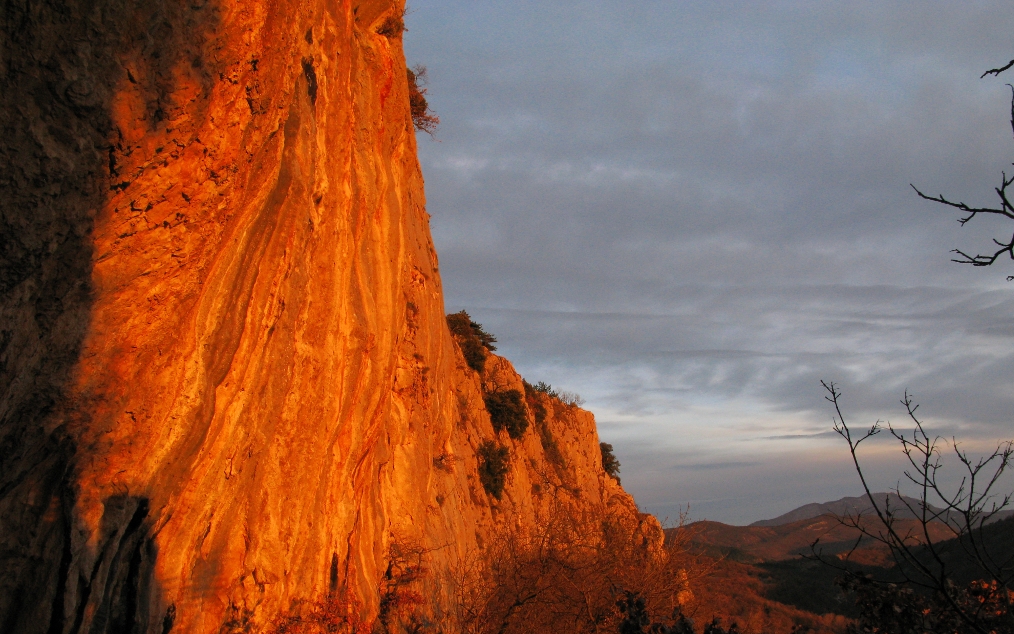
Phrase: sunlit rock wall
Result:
[227,382]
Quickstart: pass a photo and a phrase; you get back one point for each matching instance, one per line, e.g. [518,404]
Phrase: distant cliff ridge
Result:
[228,386]
[860,505]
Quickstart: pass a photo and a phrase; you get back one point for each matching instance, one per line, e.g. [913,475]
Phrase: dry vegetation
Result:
[422,116]
[559,577]
[336,614]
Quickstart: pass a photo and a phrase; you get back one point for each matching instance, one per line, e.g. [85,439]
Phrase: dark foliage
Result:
[475,342]
[507,411]
[535,405]
[636,619]
[897,609]
[635,615]
[422,116]
[545,388]
[715,627]
[609,461]
[392,28]
[551,448]
[809,585]
[494,464]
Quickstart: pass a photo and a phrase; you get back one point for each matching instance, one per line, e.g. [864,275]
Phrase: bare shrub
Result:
[399,599]
[422,117]
[445,462]
[392,27]
[570,399]
[336,614]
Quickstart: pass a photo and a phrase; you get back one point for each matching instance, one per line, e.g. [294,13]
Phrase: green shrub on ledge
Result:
[507,411]
[494,463]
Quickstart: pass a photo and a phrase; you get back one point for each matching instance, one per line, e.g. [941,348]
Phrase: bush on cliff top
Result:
[475,342]
[570,399]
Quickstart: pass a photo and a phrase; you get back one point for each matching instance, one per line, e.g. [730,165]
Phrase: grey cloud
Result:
[823,434]
[715,466]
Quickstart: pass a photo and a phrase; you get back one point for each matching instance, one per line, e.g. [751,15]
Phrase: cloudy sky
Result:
[691,212]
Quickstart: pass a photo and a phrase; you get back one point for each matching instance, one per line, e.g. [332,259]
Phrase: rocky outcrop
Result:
[227,382]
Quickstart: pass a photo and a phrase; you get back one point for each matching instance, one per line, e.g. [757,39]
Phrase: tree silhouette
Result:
[924,580]
[1004,209]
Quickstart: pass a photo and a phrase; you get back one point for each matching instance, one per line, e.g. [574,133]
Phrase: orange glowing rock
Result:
[230,383]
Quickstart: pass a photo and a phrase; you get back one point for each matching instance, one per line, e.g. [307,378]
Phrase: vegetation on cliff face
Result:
[609,462]
[557,576]
[534,401]
[422,117]
[507,411]
[475,342]
[494,465]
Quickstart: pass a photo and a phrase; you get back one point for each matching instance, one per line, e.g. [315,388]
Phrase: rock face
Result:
[227,382]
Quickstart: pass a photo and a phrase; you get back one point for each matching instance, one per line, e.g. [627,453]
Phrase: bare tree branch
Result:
[997,71]
[1005,209]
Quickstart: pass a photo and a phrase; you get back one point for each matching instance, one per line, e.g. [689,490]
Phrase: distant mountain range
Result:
[858,505]
[754,544]
[770,564]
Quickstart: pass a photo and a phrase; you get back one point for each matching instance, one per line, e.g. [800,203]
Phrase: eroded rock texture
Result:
[227,382]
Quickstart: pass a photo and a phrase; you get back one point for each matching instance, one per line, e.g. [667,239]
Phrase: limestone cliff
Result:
[227,381]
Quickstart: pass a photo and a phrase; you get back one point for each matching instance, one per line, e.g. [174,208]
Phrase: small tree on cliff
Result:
[609,462]
[475,342]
